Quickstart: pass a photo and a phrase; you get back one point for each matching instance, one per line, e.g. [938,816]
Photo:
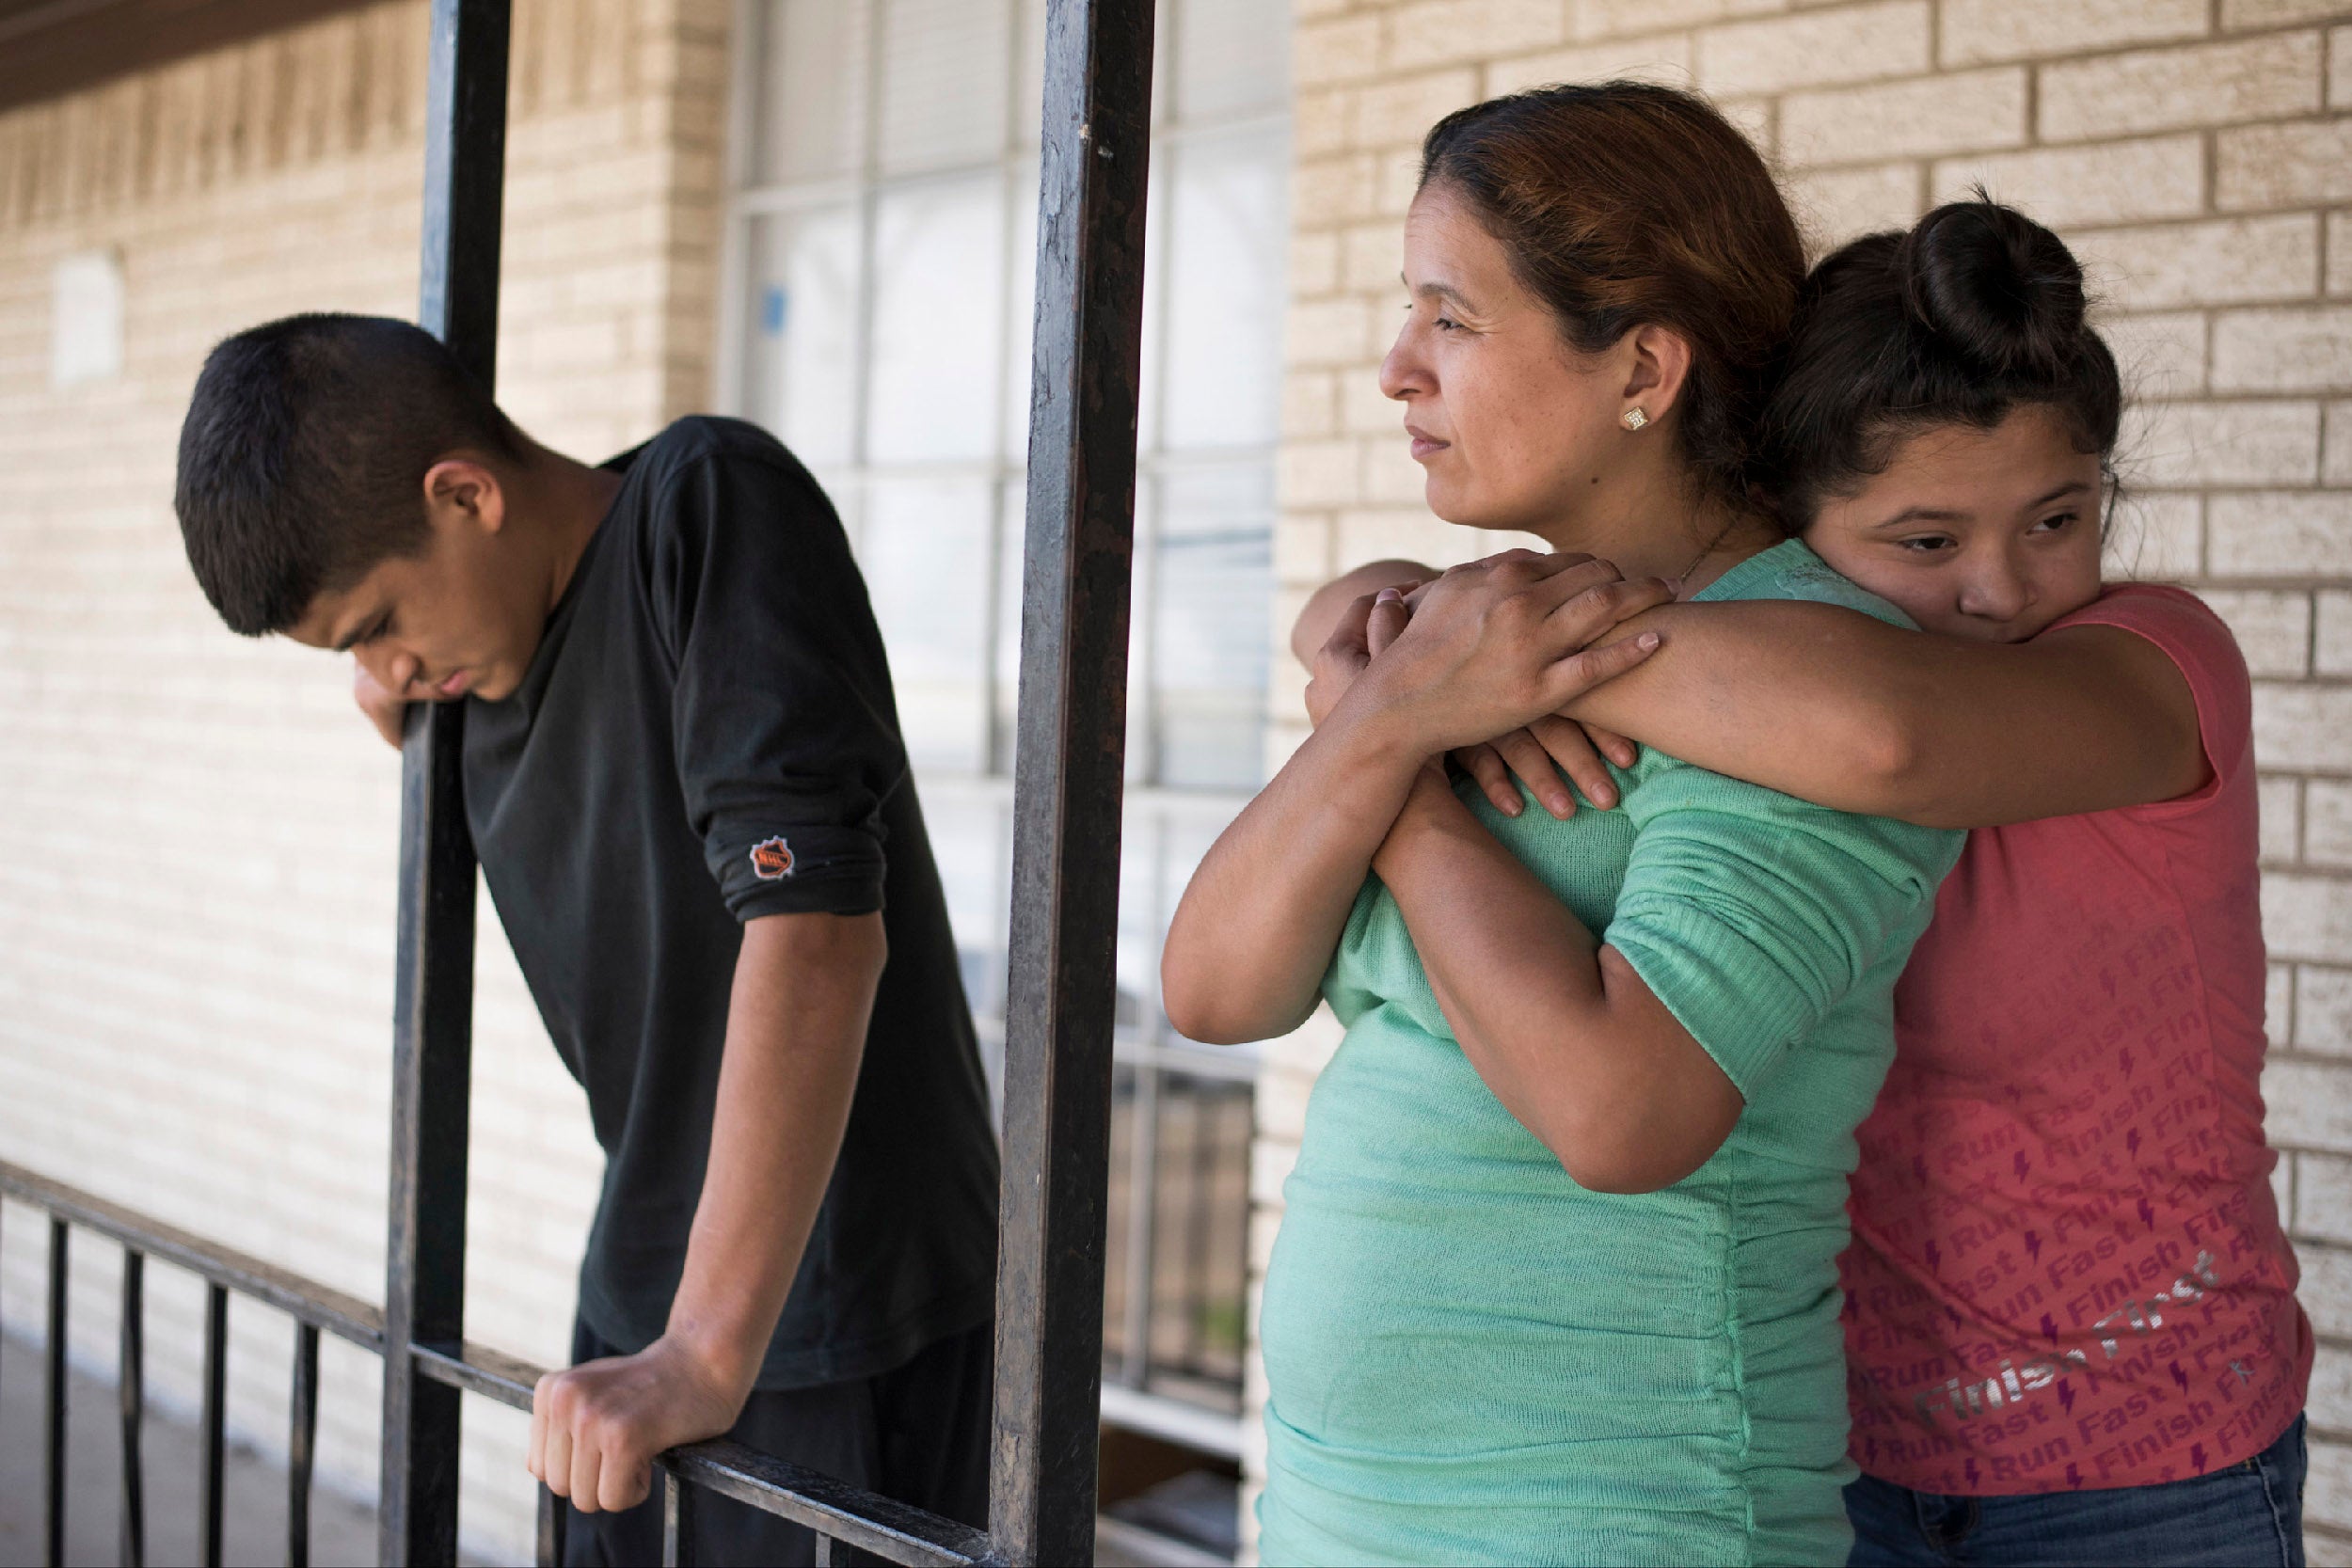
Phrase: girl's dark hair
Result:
[1622,204]
[1974,312]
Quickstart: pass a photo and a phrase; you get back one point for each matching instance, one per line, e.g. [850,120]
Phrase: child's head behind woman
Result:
[1942,432]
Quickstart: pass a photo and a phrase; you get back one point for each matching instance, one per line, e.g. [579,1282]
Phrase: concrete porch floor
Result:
[254,1488]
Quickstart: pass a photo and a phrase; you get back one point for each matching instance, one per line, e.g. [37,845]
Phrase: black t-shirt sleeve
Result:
[786,742]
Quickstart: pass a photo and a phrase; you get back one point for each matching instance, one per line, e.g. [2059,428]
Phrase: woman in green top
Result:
[1557,1279]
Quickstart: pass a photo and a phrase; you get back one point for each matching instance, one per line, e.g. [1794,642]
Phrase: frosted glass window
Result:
[812,97]
[1010,540]
[1138,950]
[1231,57]
[801,364]
[923,550]
[1028,103]
[1214,582]
[1228,225]
[939,270]
[963,834]
[946,85]
[1020,309]
[883,251]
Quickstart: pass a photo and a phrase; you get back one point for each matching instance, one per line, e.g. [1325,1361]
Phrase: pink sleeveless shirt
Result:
[2067,1267]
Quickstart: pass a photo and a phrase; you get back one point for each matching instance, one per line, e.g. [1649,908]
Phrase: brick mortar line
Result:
[2034,143]
[1693,33]
[2303,1056]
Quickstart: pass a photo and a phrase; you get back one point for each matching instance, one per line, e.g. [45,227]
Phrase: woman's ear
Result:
[1662,365]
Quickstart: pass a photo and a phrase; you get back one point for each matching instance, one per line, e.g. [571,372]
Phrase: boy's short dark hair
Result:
[303,458]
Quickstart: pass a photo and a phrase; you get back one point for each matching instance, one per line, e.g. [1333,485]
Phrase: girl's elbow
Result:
[1886,757]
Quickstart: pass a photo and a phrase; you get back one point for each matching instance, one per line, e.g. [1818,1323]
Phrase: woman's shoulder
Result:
[1790,570]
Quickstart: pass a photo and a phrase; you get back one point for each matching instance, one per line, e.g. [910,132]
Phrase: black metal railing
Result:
[835,1511]
[1067,768]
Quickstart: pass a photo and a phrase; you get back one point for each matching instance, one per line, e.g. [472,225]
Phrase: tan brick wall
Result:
[197,834]
[2192,151]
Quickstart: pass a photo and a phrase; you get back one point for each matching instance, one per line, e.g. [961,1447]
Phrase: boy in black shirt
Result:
[685,781]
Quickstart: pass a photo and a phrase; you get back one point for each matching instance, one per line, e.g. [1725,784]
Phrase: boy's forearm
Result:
[796,1033]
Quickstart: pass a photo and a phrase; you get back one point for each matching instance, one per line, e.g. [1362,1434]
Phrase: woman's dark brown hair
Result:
[1975,311]
[1621,204]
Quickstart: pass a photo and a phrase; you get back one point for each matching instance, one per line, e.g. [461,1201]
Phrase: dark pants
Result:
[2250,1514]
[918,1433]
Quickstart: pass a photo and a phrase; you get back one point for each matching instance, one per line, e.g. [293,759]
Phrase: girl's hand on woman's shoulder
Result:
[1538,755]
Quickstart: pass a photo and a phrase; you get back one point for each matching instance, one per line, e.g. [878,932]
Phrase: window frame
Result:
[1149,1050]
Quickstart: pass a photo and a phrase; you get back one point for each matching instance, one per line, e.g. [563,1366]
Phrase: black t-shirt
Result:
[707,734]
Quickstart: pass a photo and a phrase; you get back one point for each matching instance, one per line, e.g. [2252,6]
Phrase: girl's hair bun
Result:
[1975,312]
[1996,286]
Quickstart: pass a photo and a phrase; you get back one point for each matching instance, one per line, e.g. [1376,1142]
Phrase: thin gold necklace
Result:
[1706,549]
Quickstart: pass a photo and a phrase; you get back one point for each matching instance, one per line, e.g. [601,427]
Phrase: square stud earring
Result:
[1634,419]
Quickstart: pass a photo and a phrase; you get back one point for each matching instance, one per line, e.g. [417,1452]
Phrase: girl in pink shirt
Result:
[2071,1328]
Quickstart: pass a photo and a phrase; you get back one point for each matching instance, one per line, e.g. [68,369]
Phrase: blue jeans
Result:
[2251,1512]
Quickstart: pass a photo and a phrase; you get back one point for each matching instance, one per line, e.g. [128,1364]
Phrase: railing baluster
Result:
[677,1520]
[301,1445]
[212,1458]
[131,1381]
[551,1522]
[1143,1189]
[1201,1221]
[824,1550]
[55,1459]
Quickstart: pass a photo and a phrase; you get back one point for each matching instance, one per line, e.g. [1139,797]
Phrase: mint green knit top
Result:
[1469,1358]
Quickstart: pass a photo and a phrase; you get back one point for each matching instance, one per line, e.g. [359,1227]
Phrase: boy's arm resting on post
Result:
[796,1033]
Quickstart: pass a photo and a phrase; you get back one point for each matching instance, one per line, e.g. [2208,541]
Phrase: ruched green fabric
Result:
[1473,1360]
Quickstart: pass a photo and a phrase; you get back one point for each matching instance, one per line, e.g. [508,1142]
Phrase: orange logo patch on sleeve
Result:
[772,860]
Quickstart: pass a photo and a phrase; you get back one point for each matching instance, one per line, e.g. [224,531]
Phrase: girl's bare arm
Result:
[1832,706]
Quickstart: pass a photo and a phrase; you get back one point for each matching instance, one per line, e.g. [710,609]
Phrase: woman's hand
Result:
[1368,625]
[1493,646]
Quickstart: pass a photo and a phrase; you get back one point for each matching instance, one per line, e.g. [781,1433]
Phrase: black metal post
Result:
[212,1461]
[130,1384]
[1070,755]
[301,1444]
[433,1012]
[677,1520]
[54,1530]
[549,1552]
